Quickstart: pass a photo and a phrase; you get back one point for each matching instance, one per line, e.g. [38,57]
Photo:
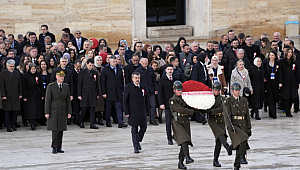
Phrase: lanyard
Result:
[272,66]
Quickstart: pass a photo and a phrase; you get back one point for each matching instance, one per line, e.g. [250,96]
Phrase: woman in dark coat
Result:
[33,94]
[290,79]
[100,107]
[179,46]
[256,73]
[273,76]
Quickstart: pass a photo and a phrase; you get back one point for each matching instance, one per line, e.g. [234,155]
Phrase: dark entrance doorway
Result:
[165,12]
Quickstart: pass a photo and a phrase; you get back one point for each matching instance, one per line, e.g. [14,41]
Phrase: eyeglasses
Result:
[78,32]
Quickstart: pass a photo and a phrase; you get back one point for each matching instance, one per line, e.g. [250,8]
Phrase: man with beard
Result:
[210,51]
[185,56]
[231,55]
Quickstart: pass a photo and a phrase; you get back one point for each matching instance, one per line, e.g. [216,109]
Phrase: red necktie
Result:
[77,71]
[170,78]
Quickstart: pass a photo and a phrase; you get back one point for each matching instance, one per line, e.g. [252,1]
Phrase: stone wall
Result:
[109,19]
[252,17]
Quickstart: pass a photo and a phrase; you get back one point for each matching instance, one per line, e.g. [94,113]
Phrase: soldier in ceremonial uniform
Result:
[238,124]
[57,109]
[217,124]
[181,124]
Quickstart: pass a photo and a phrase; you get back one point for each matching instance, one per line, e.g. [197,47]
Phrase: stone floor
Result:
[275,144]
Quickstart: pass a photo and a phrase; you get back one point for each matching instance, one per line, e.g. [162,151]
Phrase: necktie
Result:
[237,100]
[60,87]
[77,71]
[170,78]
[78,44]
[115,69]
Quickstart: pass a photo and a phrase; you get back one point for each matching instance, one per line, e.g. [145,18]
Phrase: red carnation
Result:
[193,85]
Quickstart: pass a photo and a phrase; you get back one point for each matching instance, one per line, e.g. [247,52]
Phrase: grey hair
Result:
[63,58]
[240,49]
[112,57]
[7,40]
[196,42]
[48,37]
[135,73]
[10,61]
[264,34]
[277,33]
[88,42]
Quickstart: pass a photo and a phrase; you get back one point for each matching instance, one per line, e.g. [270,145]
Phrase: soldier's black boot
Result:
[216,163]
[236,168]
[257,116]
[181,165]
[188,159]
[229,149]
[243,160]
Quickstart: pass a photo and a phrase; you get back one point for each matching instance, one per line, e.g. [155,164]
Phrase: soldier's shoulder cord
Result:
[66,84]
[51,83]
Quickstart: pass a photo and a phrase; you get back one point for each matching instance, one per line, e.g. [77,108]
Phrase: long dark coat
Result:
[148,78]
[216,119]
[181,127]
[88,88]
[100,107]
[241,126]
[198,74]
[257,82]
[58,106]
[11,88]
[135,104]
[112,84]
[291,78]
[165,91]
[252,52]
[128,70]
[33,91]
[68,78]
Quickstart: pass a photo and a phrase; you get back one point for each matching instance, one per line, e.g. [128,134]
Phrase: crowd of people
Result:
[268,72]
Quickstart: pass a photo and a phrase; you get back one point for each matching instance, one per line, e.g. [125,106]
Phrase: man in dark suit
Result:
[57,109]
[14,43]
[67,31]
[76,101]
[112,86]
[45,33]
[138,48]
[32,41]
[148,78]
[135,108]
[78,40]
[185,56]
[68,77]
[88,92]
[251,51]
[11,93]
[165,92]
[131,67]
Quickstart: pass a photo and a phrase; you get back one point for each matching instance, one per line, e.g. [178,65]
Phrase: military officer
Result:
[238,123]
[57,109]
[135,107]
[217,124]
[181,124]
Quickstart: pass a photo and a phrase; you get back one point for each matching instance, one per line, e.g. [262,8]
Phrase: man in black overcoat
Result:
[165,92]
[88,92]
[11,93]
[135,106]
[251,51]
[76,101]
[112,86]
[131,67]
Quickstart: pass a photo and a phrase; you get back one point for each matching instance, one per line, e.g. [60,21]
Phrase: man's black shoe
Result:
[54,150]
[216,163]
[188,160]
[108,125]
[139,146]
[81,125]
[153,122]
[9,130]
[60,150]
[136,150]
[170,142]
[93,127]
[243,160]
[181,165]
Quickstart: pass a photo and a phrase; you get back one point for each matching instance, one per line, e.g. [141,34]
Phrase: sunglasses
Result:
[78,33]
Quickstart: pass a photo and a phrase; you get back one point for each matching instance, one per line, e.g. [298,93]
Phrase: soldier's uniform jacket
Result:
[58,106]
[181,127]
[216,118]
[239,115]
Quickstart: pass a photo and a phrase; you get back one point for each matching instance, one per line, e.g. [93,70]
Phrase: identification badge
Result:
[215,79]
[272,76]
[44,85]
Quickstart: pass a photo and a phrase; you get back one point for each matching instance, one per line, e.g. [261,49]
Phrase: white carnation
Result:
[201,100]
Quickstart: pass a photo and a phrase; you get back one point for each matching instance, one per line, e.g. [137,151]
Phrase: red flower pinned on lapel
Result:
[37,80]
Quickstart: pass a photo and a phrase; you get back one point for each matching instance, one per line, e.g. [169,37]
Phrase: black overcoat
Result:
[198,74]
[88,88]
[112,84]
[257,82]
[148,78]
[33,91]
[11,88]
[165,91]
[129,69]
[290,79]
[135,104]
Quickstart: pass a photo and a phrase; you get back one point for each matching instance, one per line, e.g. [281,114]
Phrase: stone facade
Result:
[116,19]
